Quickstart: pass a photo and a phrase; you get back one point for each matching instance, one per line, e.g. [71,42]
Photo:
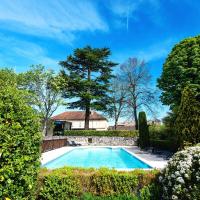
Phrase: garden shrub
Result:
[109,133]
[181,178]
[163,138]
[69,183]
[188,120]
[167,145]
[19,145]
[88,196]
[143,131]
[161,132]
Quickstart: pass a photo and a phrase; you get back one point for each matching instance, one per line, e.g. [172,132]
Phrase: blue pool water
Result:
[116,158]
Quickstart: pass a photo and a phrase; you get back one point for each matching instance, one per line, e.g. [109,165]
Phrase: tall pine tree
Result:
[87,73]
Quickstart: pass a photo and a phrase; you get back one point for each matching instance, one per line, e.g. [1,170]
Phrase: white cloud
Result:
[26,53]
[122,8]
[53,18]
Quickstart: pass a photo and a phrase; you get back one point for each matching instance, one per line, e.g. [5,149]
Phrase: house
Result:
[75,120]
[154,122]
[124,126]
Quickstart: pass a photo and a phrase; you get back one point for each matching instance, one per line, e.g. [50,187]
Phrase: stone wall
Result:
[96,140]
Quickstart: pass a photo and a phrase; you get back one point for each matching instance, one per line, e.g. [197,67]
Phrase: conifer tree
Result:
[87,74]
[143,131]
[188,120]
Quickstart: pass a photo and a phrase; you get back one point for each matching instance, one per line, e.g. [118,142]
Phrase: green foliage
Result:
[167,144]
[111,133]
[19,145]
[44,89]
[58,187]
[161,132]
[87,73]
[182,68]
[88,196]
[180,180]
[150,192]
[8,78]
[188,119]
[69,183]
[170,119]
[143,131]
[163,137]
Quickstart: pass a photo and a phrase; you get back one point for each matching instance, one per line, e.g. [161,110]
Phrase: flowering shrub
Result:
[181,178]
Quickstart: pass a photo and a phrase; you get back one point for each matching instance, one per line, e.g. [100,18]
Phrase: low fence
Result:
[53,142]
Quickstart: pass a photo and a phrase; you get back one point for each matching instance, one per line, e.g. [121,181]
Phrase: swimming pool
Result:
[97,157]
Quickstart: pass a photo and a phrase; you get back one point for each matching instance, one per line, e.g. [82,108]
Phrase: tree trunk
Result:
[87,117]
[87,107]
[45,127]
[136,118]
[116,121]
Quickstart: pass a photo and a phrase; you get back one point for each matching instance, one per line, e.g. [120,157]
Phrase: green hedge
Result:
[69,183]
[117,133]
[169,145]
[88,196]
[19,145]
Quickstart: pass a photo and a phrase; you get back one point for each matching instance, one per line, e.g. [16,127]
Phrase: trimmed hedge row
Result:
[70,183]
[111,133]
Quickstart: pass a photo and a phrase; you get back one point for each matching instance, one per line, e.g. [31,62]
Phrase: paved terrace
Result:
[155,160]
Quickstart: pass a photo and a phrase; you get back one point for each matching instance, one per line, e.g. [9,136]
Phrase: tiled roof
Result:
[77,115]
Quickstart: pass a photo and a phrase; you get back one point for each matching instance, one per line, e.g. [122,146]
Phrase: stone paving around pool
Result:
[154,160]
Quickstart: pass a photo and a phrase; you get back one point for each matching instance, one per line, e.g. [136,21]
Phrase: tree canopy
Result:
[44,91]
[87,72]
[139,95]
[182,68]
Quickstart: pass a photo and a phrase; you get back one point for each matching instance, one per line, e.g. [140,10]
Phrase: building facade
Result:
[75,120]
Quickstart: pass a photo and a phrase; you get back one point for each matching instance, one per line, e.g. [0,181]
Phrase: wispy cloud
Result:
[123,10]
[19,53]
[55,19]
[126,10]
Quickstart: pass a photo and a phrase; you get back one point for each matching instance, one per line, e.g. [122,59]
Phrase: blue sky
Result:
[45,32]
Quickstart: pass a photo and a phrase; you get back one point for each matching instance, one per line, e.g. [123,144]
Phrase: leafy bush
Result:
[111,133]
[181,178]
[143,131]
[150,192]
[69,183]
[188,120]
[88,196]
[19,145]
[163,138]
[161,132]
[168,145]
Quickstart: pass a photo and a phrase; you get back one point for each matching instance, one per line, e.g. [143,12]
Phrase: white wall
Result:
[94,124]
